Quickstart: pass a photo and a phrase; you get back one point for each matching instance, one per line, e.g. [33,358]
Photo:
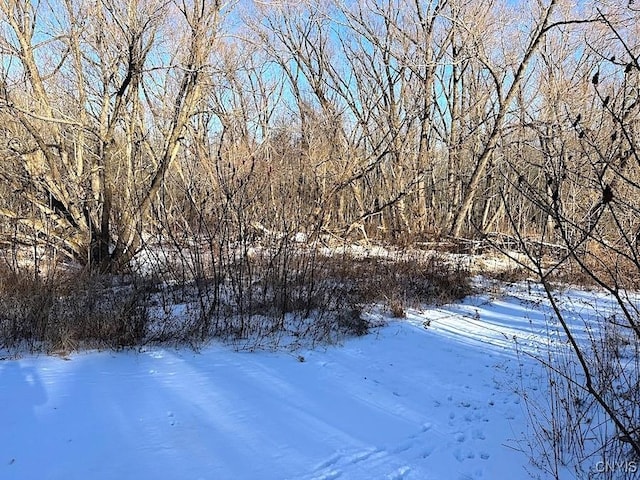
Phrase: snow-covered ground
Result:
[432,396]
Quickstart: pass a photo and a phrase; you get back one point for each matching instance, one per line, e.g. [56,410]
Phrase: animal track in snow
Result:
[428,451]
[425,427]
[462,455]
[399,474]
[360,457]
[329,476]
[329,462]
[402,448]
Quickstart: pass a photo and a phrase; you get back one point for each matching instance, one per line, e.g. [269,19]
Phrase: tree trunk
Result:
[472,188]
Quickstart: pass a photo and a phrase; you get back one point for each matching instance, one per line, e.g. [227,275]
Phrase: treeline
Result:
[127,120]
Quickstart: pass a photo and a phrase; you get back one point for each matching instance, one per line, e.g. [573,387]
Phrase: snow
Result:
[432,396]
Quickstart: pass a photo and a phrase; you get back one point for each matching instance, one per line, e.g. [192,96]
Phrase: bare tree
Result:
[84,101]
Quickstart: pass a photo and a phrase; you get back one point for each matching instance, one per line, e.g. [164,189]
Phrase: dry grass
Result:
[65,312]
[258,298]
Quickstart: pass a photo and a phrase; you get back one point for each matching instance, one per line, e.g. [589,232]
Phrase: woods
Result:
[395,120]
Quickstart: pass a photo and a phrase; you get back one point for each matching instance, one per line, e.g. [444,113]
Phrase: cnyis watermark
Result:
[617,466]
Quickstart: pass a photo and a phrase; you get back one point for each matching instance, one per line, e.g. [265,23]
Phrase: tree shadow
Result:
[21,392]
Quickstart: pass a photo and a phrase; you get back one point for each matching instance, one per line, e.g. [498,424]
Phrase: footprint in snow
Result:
[423,429]
[477,474]
[329,476]
[329,462]
[428,451]
[462,455]
[402,448]
[399,474]
[362,456]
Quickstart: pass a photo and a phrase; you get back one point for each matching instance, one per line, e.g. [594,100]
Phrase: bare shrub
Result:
[280,293]
[66,312]
[572,434]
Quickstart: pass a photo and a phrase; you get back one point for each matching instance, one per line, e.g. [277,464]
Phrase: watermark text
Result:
[617,466]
